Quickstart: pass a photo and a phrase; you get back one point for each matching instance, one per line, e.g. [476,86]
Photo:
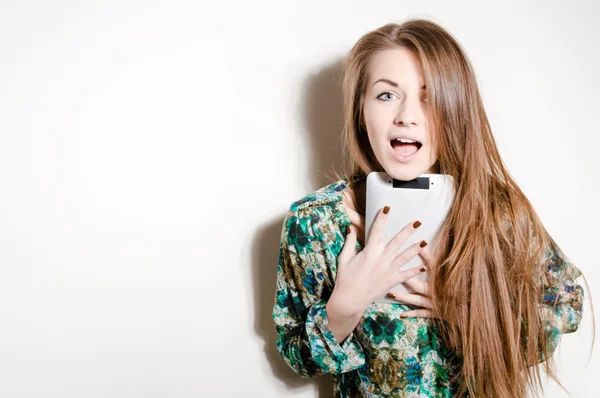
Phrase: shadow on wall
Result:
[323,115]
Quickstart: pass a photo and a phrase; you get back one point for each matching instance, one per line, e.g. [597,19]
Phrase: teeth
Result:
[405,140]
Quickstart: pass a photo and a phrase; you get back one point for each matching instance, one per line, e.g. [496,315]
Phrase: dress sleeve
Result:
[562,299]
[304,339]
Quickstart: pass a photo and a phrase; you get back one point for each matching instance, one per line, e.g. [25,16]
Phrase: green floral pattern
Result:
[385,356]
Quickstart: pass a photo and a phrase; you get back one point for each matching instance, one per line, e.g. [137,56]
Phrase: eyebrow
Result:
[393,83]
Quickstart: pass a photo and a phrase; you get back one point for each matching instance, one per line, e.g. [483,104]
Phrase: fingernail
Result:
[348,230]
[423,269]
[390,295]
[417,224]
[402,316]
[386,209]
[423,243]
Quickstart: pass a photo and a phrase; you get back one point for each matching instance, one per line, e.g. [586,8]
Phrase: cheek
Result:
[376,130]
[374,117]
[371,131]
[431,155]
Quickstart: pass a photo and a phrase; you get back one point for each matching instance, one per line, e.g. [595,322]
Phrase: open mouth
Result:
[405,147]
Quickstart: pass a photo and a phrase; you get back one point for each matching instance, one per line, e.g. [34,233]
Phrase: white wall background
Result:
[150,149]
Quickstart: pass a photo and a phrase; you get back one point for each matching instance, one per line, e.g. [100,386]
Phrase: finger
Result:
[414,299]
[418,286]
[400,275]
[400,238]
[407,255]
[376,232]
[348,251]
[421,313]
[426,255]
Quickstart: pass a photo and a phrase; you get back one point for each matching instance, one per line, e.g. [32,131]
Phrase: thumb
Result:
[348,250]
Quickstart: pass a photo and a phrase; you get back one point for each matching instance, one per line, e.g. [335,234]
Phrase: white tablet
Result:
[428,198]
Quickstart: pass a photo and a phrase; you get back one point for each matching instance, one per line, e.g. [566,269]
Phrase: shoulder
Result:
[316,216]
[559,267]
[324,196]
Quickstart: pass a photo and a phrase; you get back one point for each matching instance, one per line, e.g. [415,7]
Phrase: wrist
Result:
[341,305]
[342,319]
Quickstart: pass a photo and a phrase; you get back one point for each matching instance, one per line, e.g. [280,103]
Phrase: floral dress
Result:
[385,356]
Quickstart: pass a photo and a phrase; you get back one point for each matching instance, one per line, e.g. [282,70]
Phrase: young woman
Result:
[500,292]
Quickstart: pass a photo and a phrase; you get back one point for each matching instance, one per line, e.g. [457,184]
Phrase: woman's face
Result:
[395,107]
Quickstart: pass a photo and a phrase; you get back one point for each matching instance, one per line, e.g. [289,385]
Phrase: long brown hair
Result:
[492,248]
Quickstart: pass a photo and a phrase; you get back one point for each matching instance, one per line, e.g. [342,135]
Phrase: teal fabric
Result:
[385,356]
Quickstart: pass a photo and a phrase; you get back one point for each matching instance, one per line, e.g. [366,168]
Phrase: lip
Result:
[401,158]
[408,137]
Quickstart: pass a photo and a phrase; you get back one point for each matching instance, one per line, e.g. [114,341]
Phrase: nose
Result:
[407,114]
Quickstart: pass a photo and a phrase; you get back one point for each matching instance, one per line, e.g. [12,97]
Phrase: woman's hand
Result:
[421,298]
[363,277]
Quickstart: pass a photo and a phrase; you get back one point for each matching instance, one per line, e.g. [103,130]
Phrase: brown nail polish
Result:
[386,209]
[402,316]
[423,243]
[423,269]
[390,295]
[348,230]
[417,224]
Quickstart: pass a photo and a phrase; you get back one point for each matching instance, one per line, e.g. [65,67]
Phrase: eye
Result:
[382,94]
